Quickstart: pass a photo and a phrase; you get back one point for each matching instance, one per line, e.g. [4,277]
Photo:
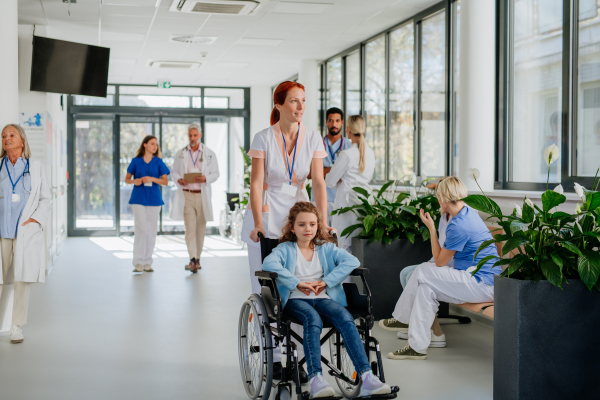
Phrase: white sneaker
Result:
[148,268]
[138,268]
[436,341]
[16,335]
[371,385]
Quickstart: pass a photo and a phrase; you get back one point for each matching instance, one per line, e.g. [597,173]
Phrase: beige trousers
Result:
[22,289]
[195,224]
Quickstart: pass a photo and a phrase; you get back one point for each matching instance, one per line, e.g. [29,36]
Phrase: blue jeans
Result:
[406,273]
[312,312]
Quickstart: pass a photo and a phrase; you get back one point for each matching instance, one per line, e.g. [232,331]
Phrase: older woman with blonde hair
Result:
[24,209]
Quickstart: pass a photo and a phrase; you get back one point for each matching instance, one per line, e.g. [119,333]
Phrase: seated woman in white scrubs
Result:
[354,167]
[282,157]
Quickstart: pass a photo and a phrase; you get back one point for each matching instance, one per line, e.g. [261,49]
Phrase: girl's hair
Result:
[142,150]
[356,124]
[451,189]
[307,207]
[26,149]
[279,96]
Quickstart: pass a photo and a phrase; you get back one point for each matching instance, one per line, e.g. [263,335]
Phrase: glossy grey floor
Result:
[98,331]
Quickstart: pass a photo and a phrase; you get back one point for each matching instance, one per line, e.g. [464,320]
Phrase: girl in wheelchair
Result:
[310,272]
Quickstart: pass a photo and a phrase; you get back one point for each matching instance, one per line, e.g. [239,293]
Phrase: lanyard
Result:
[192,156]
[14,185]
[290,171]
[329,148]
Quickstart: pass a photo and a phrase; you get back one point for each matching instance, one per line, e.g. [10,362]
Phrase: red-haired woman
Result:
[282,157]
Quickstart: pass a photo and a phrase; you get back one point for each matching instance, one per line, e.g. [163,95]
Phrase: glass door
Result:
[94,202]
[216,138]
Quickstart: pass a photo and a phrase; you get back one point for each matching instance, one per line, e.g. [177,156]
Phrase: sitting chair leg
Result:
[444,312]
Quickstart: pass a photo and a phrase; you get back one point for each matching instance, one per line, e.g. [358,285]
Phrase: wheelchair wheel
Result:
[255,349]
[341,359]
[223,223]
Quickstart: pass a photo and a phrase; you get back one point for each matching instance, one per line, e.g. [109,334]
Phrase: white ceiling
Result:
[137,32]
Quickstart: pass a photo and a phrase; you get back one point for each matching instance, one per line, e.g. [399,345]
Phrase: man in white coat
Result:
[192,200]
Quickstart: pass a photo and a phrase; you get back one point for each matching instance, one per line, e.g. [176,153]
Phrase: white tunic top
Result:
[347,169]
[308,271]
[276,205]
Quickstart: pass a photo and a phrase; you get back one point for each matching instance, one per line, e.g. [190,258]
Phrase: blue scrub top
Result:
[464,234]
[11,211]
[147,195]
[340,145]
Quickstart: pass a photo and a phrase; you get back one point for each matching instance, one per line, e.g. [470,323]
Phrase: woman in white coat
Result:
[24,209]
[353,168]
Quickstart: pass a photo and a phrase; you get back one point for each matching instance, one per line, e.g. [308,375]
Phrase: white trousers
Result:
[428,285]
[255,260]
[195,224]
[146,226]
[22,289]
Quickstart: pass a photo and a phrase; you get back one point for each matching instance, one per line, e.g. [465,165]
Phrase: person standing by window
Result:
[147,171]
[192,201]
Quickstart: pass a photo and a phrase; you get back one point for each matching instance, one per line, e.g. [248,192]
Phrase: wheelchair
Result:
[263,327]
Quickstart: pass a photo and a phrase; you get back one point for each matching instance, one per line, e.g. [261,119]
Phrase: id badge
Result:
[148,184]
[195,170]
[16,197]
[289,189]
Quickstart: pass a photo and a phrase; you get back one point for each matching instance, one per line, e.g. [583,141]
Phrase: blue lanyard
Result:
[329,148]
[192,156]
[14,185]
[290,171]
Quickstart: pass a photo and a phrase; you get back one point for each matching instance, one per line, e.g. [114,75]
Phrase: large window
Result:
[549,92]
[403,82]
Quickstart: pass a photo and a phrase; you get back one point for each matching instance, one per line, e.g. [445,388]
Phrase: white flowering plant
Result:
[386,216]
[542,243]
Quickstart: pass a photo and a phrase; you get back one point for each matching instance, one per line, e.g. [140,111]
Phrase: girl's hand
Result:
[319,287]
[426,218]
[254,234]
[138,182]
[307,287]
[147,179]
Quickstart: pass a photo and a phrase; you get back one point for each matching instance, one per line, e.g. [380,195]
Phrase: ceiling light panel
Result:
[259,42]
[191,39]
[301,8]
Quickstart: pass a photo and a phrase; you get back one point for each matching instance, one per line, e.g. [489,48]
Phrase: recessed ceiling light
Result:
[181,65]
[192,39]
[301,8]
[259,42]
[123,37]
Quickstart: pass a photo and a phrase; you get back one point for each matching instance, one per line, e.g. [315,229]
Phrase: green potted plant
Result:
[547,299]
[390,236]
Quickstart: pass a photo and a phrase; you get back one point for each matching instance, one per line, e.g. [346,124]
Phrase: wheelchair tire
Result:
[255,349]
[345,365]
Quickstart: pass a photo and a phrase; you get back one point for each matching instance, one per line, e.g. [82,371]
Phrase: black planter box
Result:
[546,341]
[385,261]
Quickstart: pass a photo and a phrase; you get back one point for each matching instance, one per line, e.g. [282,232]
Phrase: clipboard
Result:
[189,177]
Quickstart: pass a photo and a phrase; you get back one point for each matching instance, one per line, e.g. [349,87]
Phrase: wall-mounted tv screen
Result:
[72,68]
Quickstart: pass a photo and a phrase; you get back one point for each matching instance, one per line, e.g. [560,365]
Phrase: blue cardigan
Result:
[337,265]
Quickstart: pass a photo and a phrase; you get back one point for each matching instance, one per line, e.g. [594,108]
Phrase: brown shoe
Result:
[194,266]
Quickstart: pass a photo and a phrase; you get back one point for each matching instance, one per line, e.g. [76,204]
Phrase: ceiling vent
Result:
[174,64]
[229,7]
[192,39]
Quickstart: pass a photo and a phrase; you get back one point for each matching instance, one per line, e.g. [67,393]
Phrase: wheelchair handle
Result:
[333,233]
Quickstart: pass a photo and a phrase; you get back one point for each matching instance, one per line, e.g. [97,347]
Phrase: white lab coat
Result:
[210,169]
[347,169]
[29,262]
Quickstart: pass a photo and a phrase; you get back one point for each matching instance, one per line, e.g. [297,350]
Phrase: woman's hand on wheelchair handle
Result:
[254,233]
[307,287]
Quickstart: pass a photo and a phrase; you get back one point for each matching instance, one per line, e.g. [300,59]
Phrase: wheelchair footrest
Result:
[393,395]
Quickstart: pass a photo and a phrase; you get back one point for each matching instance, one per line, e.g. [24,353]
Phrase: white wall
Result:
[260,109]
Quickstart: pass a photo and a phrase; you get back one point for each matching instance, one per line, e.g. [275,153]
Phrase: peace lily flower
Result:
[519,211]
[559,189]
[551,154]
[579,191]
[577,209]
[413,179]
[423,178]
[413,193]
[474,173]
[529,202]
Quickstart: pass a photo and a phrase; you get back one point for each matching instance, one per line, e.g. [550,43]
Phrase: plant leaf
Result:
[484,204]
[351,229]
[481,263]
[551,199]
[379,234]
[552,272]
[368,222]
[426,234]
[557,260]
[483,246]
[384,187]
[570,246]
[593,201]
[410,237]
[528,213]
[515,263]
[513,243]
[517,225]
[588,266]
[361,191]
[409,209]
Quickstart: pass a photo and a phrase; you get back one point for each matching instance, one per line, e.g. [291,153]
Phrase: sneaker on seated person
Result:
[407,353]
[371,385]
[319,387]
[392,324]
[436,341]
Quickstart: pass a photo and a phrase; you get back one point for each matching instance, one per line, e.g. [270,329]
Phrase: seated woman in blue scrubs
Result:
[147,171]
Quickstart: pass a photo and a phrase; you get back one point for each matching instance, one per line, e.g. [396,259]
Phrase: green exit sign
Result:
[164,85]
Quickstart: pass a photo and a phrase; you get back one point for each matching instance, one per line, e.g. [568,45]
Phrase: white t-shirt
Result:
[308,271]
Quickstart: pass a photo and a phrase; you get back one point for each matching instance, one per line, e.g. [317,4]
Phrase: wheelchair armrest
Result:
[265,274]
[357,272]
